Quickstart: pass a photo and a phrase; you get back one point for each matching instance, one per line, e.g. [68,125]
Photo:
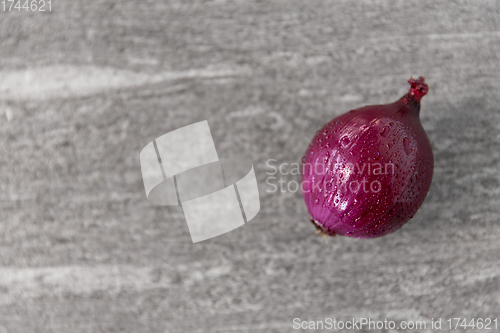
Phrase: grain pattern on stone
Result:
[85,87]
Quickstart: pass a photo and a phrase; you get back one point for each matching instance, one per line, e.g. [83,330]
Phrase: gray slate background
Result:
[83,88]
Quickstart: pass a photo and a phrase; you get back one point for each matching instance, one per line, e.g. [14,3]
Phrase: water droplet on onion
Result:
[406,146]
[345,141]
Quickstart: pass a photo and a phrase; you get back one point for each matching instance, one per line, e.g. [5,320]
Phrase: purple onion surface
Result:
[368,171]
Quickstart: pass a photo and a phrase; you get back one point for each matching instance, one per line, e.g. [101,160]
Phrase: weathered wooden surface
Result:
[85,87]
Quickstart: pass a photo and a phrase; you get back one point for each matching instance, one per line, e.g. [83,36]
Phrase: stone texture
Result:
[83,88]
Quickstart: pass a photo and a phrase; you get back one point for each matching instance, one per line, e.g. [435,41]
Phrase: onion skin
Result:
[368,171]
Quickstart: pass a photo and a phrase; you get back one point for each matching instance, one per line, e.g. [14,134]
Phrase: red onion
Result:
[367,172]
